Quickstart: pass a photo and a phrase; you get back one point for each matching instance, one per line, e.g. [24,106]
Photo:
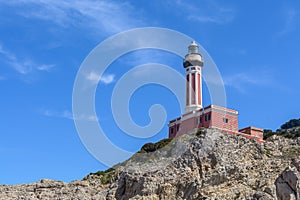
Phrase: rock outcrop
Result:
[288,183]
[207,165]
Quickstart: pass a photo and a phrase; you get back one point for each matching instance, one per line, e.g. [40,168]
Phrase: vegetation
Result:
[268,133]
[293,152]
[106,176]
[151,147]
[291,124]
[287,130]
[268,151]
[199,132]
[291,135]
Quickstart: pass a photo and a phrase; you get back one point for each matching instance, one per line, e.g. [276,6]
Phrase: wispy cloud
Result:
[68,115]
[102,15]
[94,78]
[45,67]
[243,80]
[290,17]
[107,78]
[145,56]
[22,67]
[206,11]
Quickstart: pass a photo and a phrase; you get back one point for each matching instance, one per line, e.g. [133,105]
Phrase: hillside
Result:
[207,165]
[290,129]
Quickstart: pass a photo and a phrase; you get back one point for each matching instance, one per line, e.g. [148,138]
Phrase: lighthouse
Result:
[193,64]
[196,116]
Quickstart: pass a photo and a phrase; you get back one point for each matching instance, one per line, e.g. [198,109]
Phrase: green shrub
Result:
[199,132]
[148,147]
[297,134]
[293,152]
[151,147]
[106,176]
[291,124]
[163,143]
[268,133]
[288,135]
[268,151]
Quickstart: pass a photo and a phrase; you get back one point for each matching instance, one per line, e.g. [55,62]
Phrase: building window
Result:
[207,117]
[178,127]
[172,130]
[225,120]
[199,120]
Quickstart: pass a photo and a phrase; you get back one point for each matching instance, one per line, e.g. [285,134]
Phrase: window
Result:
[178,127]
[225,120]
[172,130]
[207,117]
[199,120]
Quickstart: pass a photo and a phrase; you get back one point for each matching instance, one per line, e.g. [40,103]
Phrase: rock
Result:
[284,191]
[288,184]
[214,165]
[261,196]
[270,190]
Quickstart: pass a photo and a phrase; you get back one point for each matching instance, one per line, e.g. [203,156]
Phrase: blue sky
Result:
[255,45]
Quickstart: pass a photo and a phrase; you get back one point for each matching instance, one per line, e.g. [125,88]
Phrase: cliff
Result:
[207,165]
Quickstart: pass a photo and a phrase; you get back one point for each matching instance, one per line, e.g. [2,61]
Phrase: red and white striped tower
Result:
[193,63]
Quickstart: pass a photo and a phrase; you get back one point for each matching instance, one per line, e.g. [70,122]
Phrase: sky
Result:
[255,45]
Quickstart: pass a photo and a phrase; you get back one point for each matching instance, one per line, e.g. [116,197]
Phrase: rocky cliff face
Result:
[207,165]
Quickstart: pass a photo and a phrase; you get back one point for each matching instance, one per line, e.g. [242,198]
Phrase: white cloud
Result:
[68,115]
[206,11]
[105,78]
[101,15]
[65,114]
[142,72]
[211,19]
[93,77]
[22,67]
[242,81]
[45,67]
[240,77]
[145,56]
[290,16]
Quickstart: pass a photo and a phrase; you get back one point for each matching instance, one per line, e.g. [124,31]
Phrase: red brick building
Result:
[212,116]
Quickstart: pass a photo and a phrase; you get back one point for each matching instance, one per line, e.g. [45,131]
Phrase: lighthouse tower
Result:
[193,64]
[196,116]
